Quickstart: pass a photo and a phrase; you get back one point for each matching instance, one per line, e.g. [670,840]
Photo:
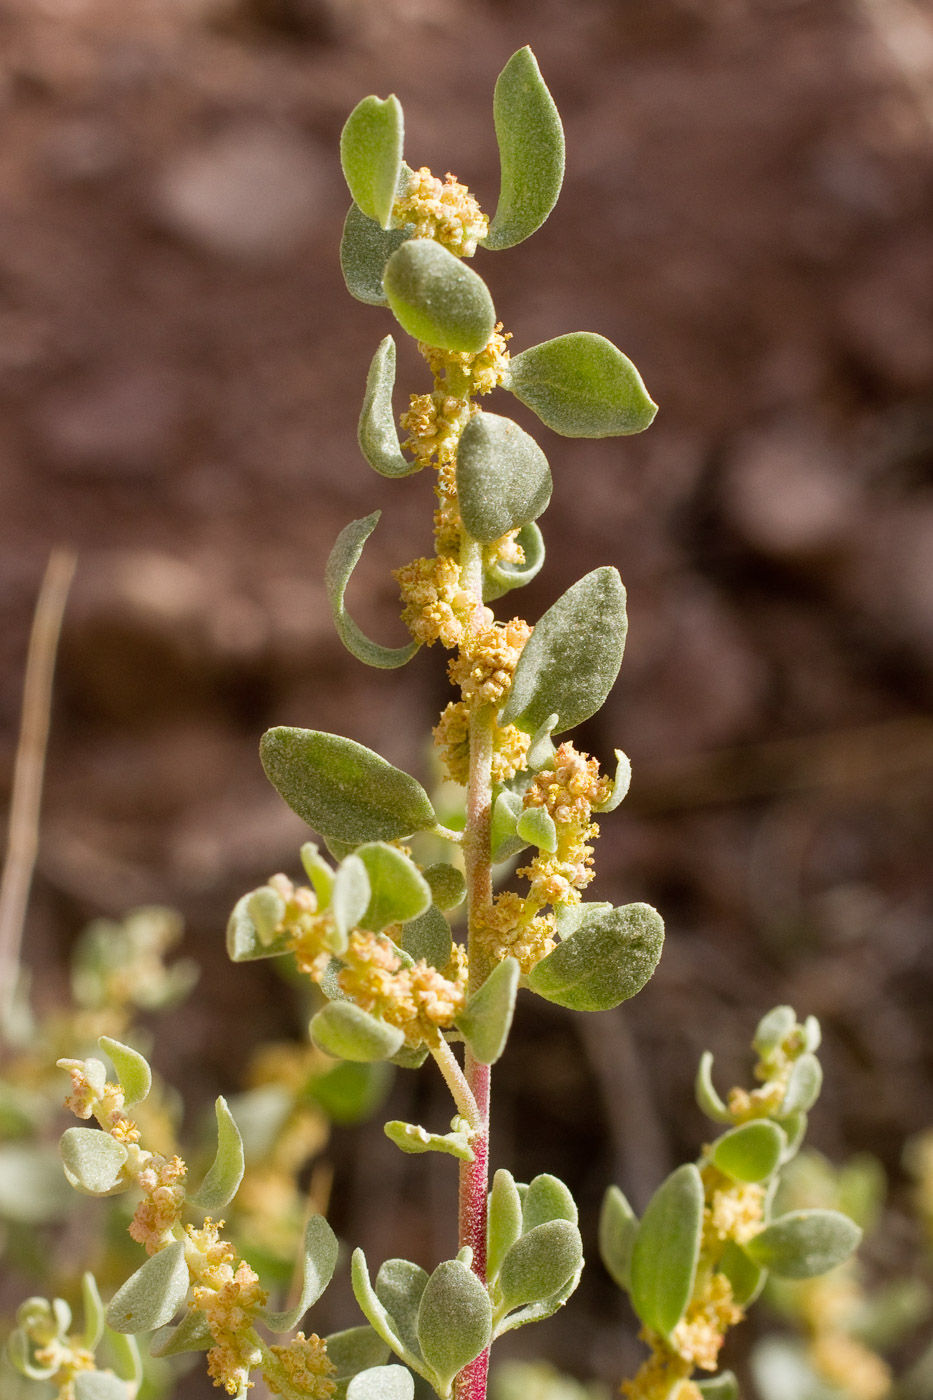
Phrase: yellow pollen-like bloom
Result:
[505,931]
[419,1000]
[436,606]
[442,210]
[307,1367]
[487,660]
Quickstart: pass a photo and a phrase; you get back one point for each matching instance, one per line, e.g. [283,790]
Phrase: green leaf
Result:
[93,1161]
[540,1263]
[345,1031]
[151,1297]
[804,1243]
[192,1334]
[708,1101]
[504,840]
[620,785]
[499,578]
[98,1385]
[536,826]
[536,1312]
[93,1312]
[377,433]
[399,890]
[342,789]
[428,937]
[448,887]
[244,943]
[504,1221]
[132,1070]
[365,248]
[486,1019]
[618,1226]
[226,1171]
[666,1250]
[349,898]
[721,1387]
[803,1086]
[772,1029]
[409,1058]
[400,1287]
[320,1260]
[454,1321]
[375,1311]
[411,1138]
[744,1275]
[570,662]
[503,477]
[609,958]
[340,565]
[382,1383]
[371,155]
[580,385]
[546,1199]
[531,151]
[353,1350]
[319,873]
[751,1152]
[438,299]
[541,750]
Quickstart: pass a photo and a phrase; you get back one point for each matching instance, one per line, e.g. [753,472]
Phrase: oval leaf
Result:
[93,1161]
[345,1031]
[375,1311]
[454,1320]
[428,937]
[93,1312]
[547,1198]
[342,789]
[371,155]
[804,1243]
[342,561]
[350,896]
[365,248]
[353,1350]
[192,1334]
[504,1224]
[618,1226]
[744,1275]
[540,1263]
[399,891]
[244,941]
[569,663]
[438,299]
[537,827]
[620,784]
[503,477]
[151,1297]
[666,1250]
[751,1152]
[531,151]
[400,1287]
[499,578]
[486,1019]
[320,1260]
[773,1027]
[226,1172]
[503,838]
[132,1070]
[377,433]
[382,1383]
[580,385]
[448,887]
[609,958]
[803,1087]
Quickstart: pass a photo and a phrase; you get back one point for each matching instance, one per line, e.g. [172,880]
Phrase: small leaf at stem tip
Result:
[540,1263]
[620,785]
[377,433]
[350,897]
[486,1019]
[371,155]
[266,908]
[570,663]
[226,1172]
[531,151]
[132,1070]
[448,887]
[618,1226]
[319,873]
[99,1385]
[536,826]
[428,937]
[345,1031]
[454,1321]
[93,1312]
[192,1334]
[399,891]
[751,1152]
[503,477]
[353,1350]
[746,1278]
[708,1101]
[547,1198]
[151,1297]
[243,941]
[438,299]
[721,1387]
[504,1221]
[400,1286]
[93,1161]
[499,578]
[319,1262]
[772,1028]
[382,1383]
[580,385]
[803,1086]
[504,842]
[411,1138]
[365,248]
[607,960]
[666,1250]
[804,1243]
[342,789]
[342,561]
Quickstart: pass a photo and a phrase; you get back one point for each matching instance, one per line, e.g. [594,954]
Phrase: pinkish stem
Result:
[474,1190]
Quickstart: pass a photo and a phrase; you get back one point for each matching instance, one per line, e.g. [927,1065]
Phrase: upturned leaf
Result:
[319,1262]
[503,477]
[746,1278]
[399,891]
[342,561]
[365,248]
[344,1030]
[547,1198]
[609,958]
[428,937]
[536,826]
[620,784]
[541,750]
[454,1321]
[226,1172]
[666,1250]
[151,1297]
[708,1101]
[537,1312]
[448,887]
[382,1383]
[192,1334]
[531,151]
[486,1019]
[803,1086]
[318,872]
[721,1387]
[570,661]
[371,155]
[580,385]
[503,838]
[342,789]
[400,1286]
[244,942]
[353,1350]
[772,1028]
[375,1311]
[751,1152]
[438,299]
[804,1243]
[266,908]
[93,1312]
[411,1138]
[500,578]
[377,433]
[540,1263]
[618,1226]
[132,1070]
[98,1385]
[350,897]
[504,1222]
[93,1161]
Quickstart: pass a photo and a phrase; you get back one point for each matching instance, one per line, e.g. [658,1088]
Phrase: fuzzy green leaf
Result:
[353,1350]
[438,299]
[400,1287]
[377,433]
[226,1172]
[448,887]
[340,565]
[318,872]
[345,1031]
[428,937]
[99,1385]
[132,1070]
[350,897]
[531,151]
[744,1275]
[93,1161]
[569,664]
[609,958]
[486,1019]
[618,1226]
[708,1101]
[399,890]
[371,155]
[454,1321]
[266,908]
[537,1312]
[382,1383]
[804,1243]
[320,1260]
[751,1152]
[540,1263]
[536,826]
[192,1334]
[620,784]
[365,248]
[803,1086]
[721,1387]
[151,1297]
[409,1058]
[772,1029]
[503,477]
[666,1250]
[411,1138]
[499,578]
[375,1311]
[93,1312]
[244,942]
[546,1199]
[342,789]
[504,1221]
[504,841]
[580,385]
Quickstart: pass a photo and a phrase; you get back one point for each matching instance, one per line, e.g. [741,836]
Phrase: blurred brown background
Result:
[747,214]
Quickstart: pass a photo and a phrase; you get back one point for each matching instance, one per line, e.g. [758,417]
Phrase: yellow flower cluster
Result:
[306,1367]
[773,1072]
[229,1298]
[568,793]
[442,210]
[662,1377]
[733,1210]
[434,423]
[69,1358]
[480,372]
[437,607]
[485,664]
[699,1335]
[509,928]
[162,1181]
[419,1000]
[452,737]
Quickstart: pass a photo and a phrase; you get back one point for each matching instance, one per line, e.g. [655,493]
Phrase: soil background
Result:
[747,213]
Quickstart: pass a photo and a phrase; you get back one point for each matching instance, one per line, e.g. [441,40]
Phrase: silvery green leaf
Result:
[342,561]
[620,785]
[537,1312]
[540,1263]
[531,151]
[541,750]
[795,1130]
[371,155]
[318,872]
[666,1250]
[804,1243]
[428,937]
[500,578]
[772,1028]
[127,1361]
[93,1312]
[350,897]
[93,1161]
[618,1226]
[448,887]
[151,1297]
[399,891]
[580,385]
[536,827]
[344,1030]
[708,1101]
[365,248]
[375,1311]
[342,789]
[503,478]
[400,1287]
[547,1198]
[803,1086]
[132,1070]
[503,840]
[751,1152]
[226,1171]
[744,1275]
[353,1350]
[191,1334]
[411,1138]
[266,908]
[486,1019]
[812,1033]
[377,433]
[98,1385]
[504,1221]
[454,1321]
[721,1387]
[409,1058]
[21,1356]
[569,663]
[437,298]
[244,943]
[382,1383]
[320,1260]
[609,958]
[570,917]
